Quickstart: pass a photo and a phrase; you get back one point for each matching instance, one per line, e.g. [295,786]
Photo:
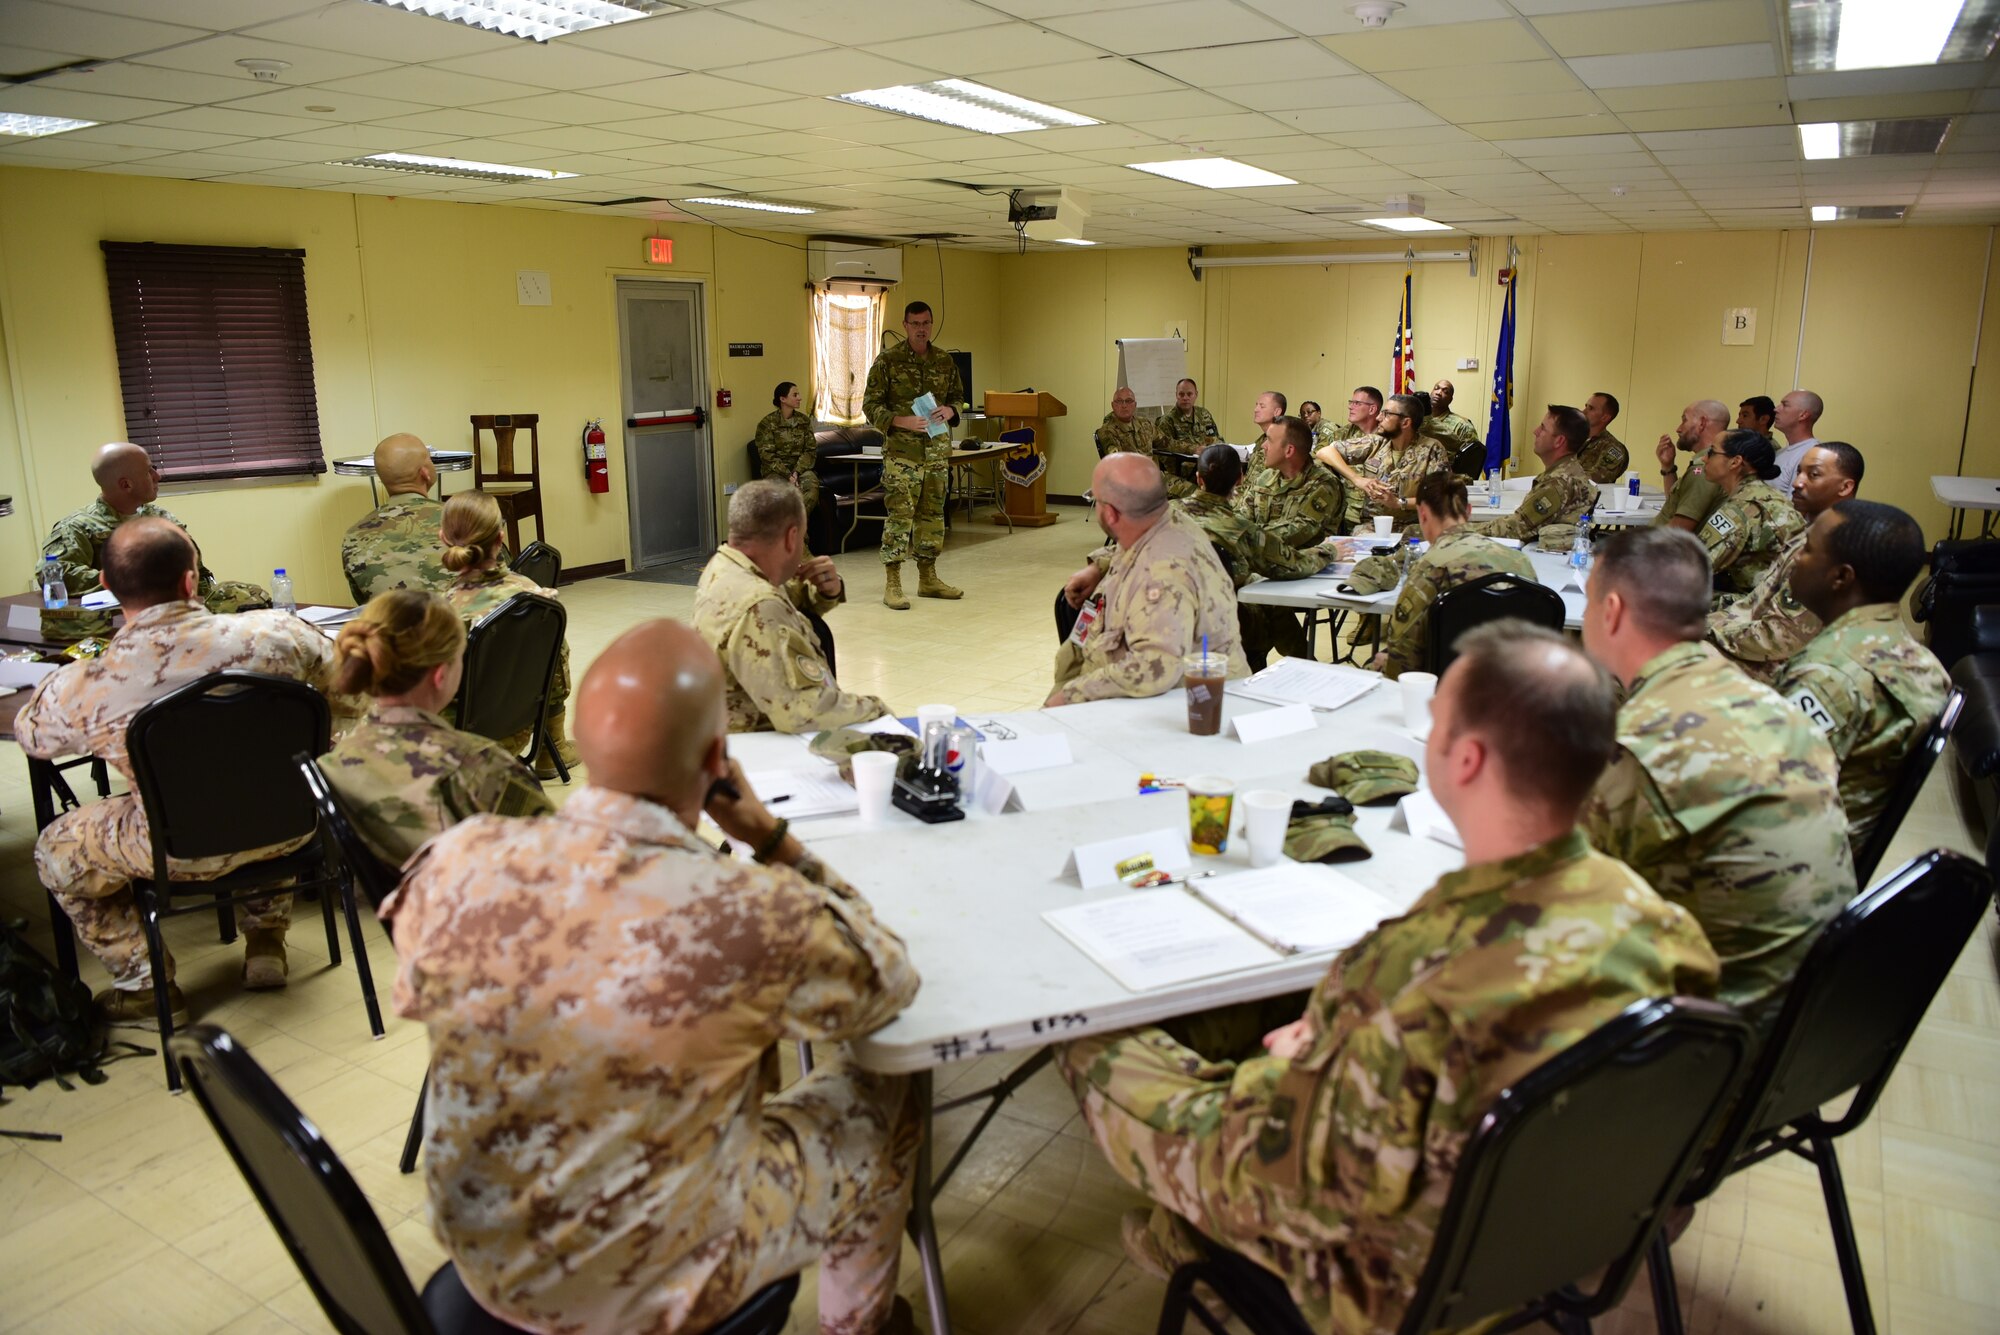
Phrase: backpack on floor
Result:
[47,1025]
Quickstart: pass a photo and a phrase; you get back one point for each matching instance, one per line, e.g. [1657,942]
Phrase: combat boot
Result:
[135,1010]
[558,733]
[892,592]
[264,964]
[930,586]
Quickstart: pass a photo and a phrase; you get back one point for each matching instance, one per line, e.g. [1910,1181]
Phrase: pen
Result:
[781,797]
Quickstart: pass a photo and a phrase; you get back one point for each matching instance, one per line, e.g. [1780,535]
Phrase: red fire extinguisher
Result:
[595,470]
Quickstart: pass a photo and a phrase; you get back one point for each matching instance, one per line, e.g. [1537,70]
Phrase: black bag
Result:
[47,1025]
[1965,575]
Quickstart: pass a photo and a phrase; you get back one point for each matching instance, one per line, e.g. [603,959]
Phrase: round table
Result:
[444,461]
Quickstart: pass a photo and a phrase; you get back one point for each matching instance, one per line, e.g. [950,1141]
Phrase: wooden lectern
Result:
[1025,505]
[519,494]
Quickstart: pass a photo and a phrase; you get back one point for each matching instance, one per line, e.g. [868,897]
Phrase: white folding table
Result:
[1968,493]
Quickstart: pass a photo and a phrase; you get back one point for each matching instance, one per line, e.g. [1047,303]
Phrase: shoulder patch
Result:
[1721,523]
[1809,704]
[810,668]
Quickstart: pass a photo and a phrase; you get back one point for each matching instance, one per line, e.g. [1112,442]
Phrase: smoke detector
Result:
[264,71]
[1374,13]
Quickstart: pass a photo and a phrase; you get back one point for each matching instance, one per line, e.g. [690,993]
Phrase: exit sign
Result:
[659,250]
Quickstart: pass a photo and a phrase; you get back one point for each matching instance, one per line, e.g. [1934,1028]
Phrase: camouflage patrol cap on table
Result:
[1366,776]
[1557,537]
[1373,574]
[841,745]
[1324,832]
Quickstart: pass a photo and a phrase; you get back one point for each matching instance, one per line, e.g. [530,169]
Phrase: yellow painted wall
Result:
[415,327]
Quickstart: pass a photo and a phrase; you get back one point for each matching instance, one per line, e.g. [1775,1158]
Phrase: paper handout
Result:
[923,406]
[1301,681]
[1296,908]
[1157,938]
[795,794]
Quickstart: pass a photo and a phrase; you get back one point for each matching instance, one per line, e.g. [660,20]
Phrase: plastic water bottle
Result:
[1409,556]
[55,593]
[281,592]
[1579,551]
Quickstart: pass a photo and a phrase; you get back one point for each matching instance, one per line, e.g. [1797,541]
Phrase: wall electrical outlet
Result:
[1468,363]
[729,489]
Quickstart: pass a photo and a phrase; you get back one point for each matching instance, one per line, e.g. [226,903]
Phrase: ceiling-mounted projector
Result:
[1048,215]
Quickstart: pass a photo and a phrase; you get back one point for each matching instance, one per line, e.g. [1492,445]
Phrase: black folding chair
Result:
[1493,597]
[1569,1173]
[511,655]
[1850,1010]
[540,563]
[1909,782]
[1469,460]
[325,1222]
[212,766]
[376,879]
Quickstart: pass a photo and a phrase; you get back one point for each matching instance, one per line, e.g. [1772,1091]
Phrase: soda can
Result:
[961,752]
[936,744]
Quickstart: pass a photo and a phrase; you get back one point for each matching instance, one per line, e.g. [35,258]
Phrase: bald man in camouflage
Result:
[395,545]
[127,486]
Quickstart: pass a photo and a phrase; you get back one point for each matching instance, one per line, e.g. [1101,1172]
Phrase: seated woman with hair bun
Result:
[470,535]
[404,772]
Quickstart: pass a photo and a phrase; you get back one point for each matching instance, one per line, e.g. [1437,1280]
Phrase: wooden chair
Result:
[519,494]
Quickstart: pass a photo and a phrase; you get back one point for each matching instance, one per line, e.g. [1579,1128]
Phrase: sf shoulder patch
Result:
[1809,703]
[1722,524]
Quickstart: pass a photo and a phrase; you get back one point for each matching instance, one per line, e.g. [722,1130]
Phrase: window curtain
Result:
[846,329]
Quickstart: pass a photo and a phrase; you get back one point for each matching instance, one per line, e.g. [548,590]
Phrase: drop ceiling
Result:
[1506,118]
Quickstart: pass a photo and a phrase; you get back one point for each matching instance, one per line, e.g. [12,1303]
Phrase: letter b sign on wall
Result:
[1739,326]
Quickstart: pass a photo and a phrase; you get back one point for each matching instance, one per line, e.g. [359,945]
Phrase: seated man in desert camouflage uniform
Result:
[1163,592]
[608,1148]
[88,857]
[752,605]
[127,486]
[395,545]
[1327,1157]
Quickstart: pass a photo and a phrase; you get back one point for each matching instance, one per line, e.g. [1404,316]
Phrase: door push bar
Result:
[670,417]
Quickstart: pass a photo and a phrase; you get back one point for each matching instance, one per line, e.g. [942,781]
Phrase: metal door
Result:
[668,469]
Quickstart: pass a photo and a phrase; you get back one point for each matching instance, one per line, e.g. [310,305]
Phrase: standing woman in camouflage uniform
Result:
[404,771]
[470,534]
[1755,522]
[785,445]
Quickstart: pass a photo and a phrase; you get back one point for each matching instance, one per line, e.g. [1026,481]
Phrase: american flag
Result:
[1404,377]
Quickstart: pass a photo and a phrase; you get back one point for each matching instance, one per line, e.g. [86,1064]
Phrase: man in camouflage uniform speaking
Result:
[915,464]
[395,545]
[1189,428]
[1722,795]
[88,857]
[127,486]
[1327,1157]
[1163,592]
[751,608]
[1864,681]
[608,1148]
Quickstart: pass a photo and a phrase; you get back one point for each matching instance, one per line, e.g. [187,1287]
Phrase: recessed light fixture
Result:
[1215,173]
[1885,34]
[534,20]
[1407,224]
[430,166]
[1824,212]
[1868,139]
[1073,241]
[760,205]
[968,105]
[16,122]
[1857,212]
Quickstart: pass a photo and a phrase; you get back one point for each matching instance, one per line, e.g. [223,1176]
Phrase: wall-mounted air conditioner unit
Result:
[850,263]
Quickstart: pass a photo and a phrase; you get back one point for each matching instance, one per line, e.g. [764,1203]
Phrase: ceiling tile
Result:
[350,140]
[1419,48]
[1658,27]
[553,65]
[1010,46]
[457,122]
[1868,83]
[1649,68]
[220,15]
[685,128]
[1062,84]
[1667,97]
[1512,79]
[1343,124]
[702,39]
[383,33]
[876,21]
[1699,119]
[1153,106]
[1185,25]
[1546,127]
[1299,94]
[1198,129]
[692,92]
[59,27]
[1250,62]
[826,73]
[280,150]
[37,100]
[427,86]
[158,138]
[166,85]
[564,108]
[222,120]
[347,107]
[1886,107]
[218,55]
[1316,18]
[1468,111]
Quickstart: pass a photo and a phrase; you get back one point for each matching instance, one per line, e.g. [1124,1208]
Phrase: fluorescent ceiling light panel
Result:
[762,206]
[533,20]
[967,105]
[1408,224]
[430,166]
[1872,139]
[1215,173]
[15,122]
[1888,34]
[1073,241]
[1824,212]
[1857,212]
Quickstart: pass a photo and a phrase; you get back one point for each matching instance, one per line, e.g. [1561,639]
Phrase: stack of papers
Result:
[328,616]
[795,794]
[1301,681]
[1296,909]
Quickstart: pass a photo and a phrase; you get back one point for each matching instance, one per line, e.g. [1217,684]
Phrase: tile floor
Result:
[137,1220]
